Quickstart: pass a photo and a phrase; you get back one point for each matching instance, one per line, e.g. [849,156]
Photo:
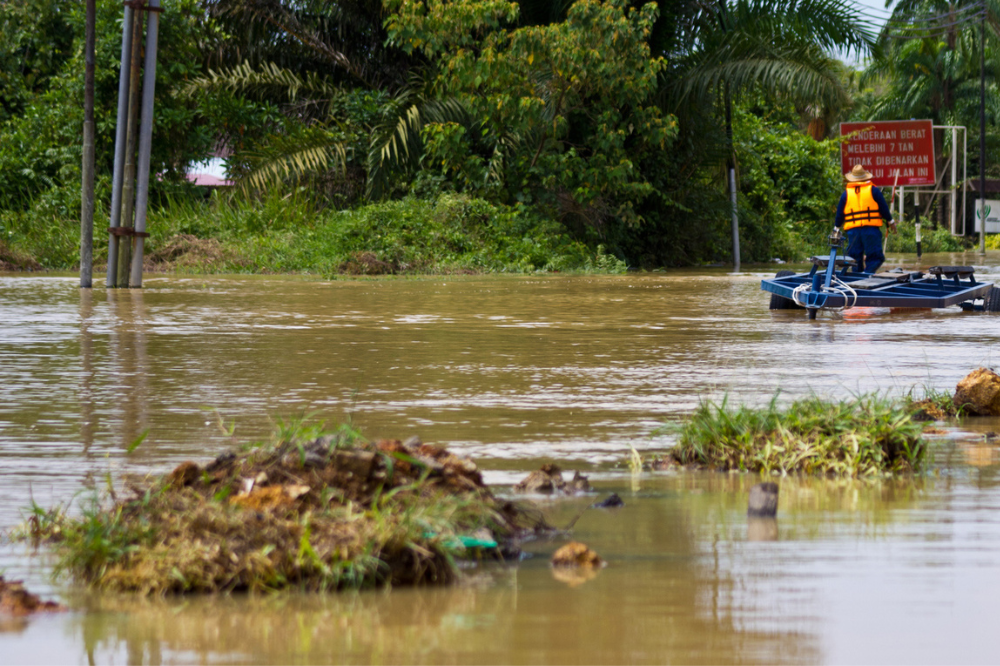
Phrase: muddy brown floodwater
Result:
[514,371]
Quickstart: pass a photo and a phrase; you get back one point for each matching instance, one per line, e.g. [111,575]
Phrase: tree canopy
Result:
[607,117]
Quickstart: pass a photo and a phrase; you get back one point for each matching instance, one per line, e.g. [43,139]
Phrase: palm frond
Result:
[269,80]
[290,158]
[396,144]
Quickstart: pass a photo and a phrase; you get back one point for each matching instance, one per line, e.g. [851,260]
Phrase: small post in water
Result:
[763,501]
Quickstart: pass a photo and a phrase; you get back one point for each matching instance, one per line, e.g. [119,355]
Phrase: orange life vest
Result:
[861,209]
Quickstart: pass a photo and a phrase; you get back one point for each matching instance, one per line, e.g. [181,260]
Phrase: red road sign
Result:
[885,147]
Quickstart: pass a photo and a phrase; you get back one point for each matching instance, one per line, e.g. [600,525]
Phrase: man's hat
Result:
[857,174]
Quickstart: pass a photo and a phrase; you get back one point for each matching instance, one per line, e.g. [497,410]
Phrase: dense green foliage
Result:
[288,232]
[580,124]
[454,234]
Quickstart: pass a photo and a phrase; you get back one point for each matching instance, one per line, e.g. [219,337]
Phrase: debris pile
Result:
[319,512]
[185,251]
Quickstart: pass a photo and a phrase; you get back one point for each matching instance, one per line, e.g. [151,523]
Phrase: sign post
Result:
[886,148]
[992,216]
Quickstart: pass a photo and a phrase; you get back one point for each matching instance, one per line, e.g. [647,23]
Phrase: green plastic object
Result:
[465,541]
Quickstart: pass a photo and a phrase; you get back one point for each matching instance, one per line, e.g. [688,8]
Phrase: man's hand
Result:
[892,226]
[835,236]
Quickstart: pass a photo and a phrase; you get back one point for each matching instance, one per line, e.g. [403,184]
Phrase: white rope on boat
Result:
[838,287]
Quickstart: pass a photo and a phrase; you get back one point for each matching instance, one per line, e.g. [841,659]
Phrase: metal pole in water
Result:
[982,134]
[128,189]
[120,130]
[916,225]
[145,142]
[731,166]
[87,184]
[736,221]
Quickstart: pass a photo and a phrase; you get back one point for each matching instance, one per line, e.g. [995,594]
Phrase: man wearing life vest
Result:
[860,212]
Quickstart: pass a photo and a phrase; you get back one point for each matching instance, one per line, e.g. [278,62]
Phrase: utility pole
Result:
[982,134]
[731,161]
[132,137]
[130,184]
[145,142]
[87,195]
[120,129]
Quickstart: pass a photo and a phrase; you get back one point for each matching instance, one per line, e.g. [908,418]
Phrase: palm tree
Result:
[721,49]
[311,55]
[930,68]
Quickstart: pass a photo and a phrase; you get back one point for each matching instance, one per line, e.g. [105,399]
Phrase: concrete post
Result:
[128,188]
[87,184]
[121,128]
[145,143]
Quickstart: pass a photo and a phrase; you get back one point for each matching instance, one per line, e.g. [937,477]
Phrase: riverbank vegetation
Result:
[288,232]
[862,436]
[591,135]
[310,510]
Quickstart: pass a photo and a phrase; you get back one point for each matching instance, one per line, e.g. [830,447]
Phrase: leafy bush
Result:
[932,240]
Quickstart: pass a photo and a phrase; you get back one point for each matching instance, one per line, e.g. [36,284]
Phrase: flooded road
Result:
[513,371]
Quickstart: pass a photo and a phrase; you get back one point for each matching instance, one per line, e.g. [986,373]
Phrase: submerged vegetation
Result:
[862,436]
[311,510]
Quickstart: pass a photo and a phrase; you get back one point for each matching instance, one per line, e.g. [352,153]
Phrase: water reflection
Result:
[762,529]
[129,363]
[87,412]
[660,600]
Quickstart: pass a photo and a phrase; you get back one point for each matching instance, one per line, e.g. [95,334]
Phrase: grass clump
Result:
[311,510]
[861,436]
[935,406]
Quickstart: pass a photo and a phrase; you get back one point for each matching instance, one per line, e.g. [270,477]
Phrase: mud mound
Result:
[187,251]
[325,513]
[14,260]
[978,393]
[366,263]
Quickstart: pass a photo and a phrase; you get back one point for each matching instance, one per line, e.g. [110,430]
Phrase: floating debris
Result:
[549,479]
[612,501]
[576,554]
[16,600]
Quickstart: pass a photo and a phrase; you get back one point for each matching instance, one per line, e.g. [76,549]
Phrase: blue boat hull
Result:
[887,290]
